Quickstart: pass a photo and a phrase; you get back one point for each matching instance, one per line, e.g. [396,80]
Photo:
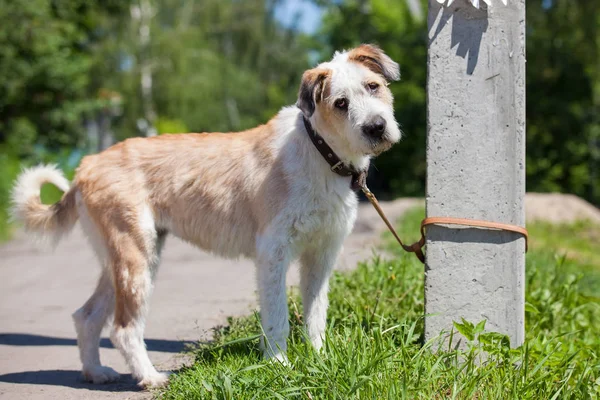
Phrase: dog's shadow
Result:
[26,339]
[68,378]
[72,378]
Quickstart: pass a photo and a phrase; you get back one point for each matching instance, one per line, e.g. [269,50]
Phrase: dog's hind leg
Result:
[92,316]
[89,321]
[134,258]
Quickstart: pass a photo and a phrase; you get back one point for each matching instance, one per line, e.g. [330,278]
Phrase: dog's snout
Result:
[375,128]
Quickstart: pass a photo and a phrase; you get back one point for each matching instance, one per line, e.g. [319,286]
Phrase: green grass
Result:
[578,243]
[9,168]
[374,347]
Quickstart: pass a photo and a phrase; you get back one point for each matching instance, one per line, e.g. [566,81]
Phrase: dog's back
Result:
[204,188]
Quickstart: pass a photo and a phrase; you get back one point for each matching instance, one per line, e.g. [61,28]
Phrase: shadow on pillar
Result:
[471,235]
[468,26]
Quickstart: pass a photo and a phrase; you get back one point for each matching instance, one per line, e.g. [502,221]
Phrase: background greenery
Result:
[71,74]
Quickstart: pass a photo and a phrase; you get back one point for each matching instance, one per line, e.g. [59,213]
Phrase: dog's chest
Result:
[324,216]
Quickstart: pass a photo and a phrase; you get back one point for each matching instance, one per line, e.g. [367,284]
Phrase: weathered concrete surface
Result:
[476,165]
[194,292]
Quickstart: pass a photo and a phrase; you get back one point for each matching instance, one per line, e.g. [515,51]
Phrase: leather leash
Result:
[417,247]
[358,182]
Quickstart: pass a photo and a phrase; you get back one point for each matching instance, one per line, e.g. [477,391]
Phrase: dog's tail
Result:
[50,221]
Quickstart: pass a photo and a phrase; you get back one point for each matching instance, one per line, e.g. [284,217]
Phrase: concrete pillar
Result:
[476,166]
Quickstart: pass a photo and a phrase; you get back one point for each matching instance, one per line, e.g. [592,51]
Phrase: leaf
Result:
[531,308]
[480,327]
[252,367]
[227,386]
[207,386]
[465,328]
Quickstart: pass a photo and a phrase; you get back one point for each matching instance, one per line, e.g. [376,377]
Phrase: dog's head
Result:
[348,102]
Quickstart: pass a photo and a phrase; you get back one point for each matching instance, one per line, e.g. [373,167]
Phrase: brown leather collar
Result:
[359,178]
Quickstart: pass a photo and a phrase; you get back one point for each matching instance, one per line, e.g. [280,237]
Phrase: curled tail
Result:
[45,220]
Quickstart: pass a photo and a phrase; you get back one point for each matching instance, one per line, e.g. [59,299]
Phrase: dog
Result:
[277,193]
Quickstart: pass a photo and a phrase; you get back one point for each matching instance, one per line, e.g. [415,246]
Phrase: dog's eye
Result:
[373,86]
[342,104]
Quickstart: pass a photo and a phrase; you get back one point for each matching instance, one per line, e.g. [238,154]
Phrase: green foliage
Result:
[216,65]
[166,125]
[46,59]
[9,168]
[48,52]
[469,330]
[563,97]
[577,245]
[374,346]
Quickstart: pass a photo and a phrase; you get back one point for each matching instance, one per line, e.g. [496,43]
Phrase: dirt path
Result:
[194,292]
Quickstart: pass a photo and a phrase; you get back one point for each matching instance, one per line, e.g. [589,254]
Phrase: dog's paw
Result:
[100,374]
[156,380]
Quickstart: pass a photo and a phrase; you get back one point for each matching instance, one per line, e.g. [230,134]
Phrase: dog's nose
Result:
[375,128]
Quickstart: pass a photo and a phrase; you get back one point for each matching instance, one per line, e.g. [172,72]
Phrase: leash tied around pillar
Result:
[417,247]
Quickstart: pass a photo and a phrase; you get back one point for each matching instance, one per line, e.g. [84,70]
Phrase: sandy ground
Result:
[194,292]
[559,208]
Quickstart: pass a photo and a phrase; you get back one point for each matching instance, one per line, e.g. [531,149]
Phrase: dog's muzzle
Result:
[375,128]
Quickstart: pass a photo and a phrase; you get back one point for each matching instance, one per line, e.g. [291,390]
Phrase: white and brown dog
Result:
[275,193]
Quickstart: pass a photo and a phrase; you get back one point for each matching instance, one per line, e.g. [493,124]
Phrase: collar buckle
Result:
[337,167]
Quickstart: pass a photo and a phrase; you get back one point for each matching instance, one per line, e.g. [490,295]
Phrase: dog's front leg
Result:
[272,262]
[315,270]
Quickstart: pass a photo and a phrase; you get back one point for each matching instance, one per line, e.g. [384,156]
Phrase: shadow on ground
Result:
[73,379]
[26,339]
[70,379]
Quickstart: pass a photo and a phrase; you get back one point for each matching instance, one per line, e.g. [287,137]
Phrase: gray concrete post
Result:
[476,166]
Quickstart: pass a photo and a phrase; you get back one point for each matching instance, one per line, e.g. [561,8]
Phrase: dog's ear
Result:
[312,89]
[376,60]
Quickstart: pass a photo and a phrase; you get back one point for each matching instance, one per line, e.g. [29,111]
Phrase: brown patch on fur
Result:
[376,60]
[313,88]
[131,280]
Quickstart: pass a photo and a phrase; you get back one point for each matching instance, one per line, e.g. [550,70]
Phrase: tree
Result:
[215,66]
[563,96]
[47,53]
